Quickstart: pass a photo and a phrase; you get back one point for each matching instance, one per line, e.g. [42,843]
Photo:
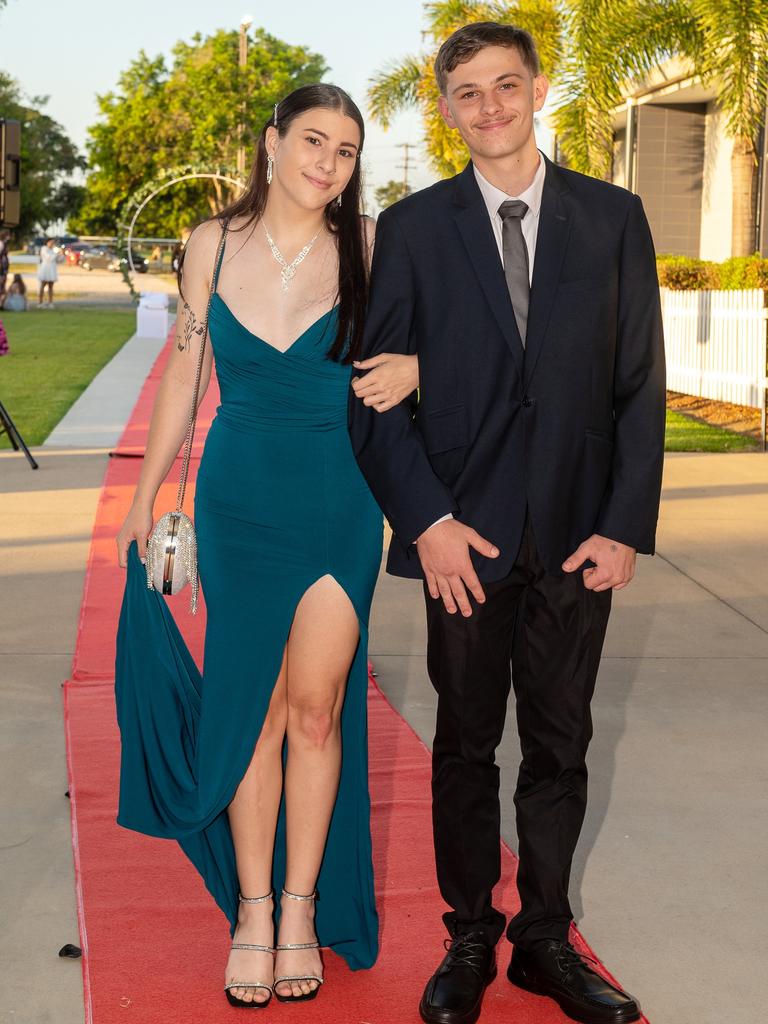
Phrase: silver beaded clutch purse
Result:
[172,556]
[172,545]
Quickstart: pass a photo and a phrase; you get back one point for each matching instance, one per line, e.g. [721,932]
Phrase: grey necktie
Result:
[512,212]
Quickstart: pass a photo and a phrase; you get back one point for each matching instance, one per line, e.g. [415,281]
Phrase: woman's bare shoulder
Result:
[203,241]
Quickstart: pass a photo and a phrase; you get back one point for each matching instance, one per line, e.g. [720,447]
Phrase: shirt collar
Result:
[494,197]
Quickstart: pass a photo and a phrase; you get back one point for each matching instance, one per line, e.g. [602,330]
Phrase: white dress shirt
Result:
[494,197]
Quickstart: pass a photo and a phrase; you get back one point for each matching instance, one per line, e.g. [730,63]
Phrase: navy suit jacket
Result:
[570,427]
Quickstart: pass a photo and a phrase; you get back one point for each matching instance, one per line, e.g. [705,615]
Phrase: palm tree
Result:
[728,50]
[610,42]
[725,43]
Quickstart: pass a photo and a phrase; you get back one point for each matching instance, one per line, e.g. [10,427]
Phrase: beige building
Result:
[671,147]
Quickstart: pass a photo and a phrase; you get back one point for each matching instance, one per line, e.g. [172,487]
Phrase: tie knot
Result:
[513,208]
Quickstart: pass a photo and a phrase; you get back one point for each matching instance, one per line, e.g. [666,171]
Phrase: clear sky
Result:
[70,50]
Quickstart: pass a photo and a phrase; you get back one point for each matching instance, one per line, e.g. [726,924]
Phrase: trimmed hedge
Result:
[685,273]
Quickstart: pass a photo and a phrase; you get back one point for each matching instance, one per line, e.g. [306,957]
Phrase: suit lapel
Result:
[551,241]
[471,216]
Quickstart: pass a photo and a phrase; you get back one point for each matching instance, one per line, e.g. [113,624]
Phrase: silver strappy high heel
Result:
[234,1000]
[298,945]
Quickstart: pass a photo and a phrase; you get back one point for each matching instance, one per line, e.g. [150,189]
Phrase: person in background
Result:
[4,347]
[47,273]
[4,262]
[16,296]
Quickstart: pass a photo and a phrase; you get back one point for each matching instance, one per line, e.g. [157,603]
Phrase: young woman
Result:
[244,766]
[47,273]
[16,296]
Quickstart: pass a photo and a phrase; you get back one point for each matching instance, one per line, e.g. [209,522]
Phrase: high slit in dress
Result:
[279,504]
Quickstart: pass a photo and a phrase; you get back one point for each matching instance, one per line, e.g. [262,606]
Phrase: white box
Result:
[152,318]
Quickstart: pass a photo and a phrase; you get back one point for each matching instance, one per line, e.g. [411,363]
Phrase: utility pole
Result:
[405,166]
[245,24]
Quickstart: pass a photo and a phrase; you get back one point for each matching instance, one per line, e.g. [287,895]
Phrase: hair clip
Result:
[276,115]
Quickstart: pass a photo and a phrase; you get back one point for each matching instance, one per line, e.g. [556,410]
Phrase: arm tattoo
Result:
[191,326]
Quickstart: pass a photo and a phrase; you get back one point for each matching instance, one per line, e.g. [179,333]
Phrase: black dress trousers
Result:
[550,630]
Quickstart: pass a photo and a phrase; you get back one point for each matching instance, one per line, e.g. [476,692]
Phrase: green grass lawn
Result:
[55,354]
[688,435]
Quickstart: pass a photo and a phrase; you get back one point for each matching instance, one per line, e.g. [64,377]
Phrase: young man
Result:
[520,491]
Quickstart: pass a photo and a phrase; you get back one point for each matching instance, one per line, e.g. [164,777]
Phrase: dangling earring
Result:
[338,199]
[269,170]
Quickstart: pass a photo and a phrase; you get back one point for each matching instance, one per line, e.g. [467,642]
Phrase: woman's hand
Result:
[137,526]
[390,379]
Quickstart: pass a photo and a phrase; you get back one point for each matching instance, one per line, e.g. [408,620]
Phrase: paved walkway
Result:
[98,417]
[669,882]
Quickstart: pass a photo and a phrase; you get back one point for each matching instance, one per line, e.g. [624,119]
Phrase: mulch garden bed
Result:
[742,419]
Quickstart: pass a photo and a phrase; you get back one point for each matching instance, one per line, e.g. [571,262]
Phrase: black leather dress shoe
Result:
[555,969]
[454,993]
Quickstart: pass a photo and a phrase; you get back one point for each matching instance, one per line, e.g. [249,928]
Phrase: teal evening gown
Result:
[279,503]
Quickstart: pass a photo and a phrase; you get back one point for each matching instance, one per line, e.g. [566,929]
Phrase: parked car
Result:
[140,263]
[104,257]
[95,257]
[74,251]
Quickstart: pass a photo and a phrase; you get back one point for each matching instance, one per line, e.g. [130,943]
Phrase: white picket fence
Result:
[716,344]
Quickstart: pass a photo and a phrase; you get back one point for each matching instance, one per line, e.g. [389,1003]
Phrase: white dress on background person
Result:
[47,269]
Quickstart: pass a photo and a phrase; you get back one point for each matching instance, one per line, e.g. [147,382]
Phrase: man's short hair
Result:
[468,41]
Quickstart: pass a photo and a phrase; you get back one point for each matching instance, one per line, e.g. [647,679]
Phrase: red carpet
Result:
[154,944]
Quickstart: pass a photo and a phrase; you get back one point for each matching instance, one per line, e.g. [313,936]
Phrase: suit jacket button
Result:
[528,402]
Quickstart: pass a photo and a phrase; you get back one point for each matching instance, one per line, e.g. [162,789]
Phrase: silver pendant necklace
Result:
[289,269]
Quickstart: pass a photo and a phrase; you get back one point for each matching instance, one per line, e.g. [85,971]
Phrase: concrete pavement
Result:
[46,520]
[99,415]
[669,881]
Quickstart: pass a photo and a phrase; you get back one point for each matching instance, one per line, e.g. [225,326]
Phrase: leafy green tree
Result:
[392,192]
[190,113]
[48,158]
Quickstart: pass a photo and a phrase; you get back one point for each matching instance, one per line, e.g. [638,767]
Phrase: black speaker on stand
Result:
[10,173]
[10,214]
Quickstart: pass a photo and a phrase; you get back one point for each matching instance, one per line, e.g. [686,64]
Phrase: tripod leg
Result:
[9,427]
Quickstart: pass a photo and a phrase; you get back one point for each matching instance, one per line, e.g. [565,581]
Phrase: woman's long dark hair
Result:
[345,221]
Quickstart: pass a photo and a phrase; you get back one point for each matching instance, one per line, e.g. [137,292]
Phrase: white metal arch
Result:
[160,188]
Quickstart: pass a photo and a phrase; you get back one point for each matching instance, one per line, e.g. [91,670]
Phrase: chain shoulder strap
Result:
[198,373]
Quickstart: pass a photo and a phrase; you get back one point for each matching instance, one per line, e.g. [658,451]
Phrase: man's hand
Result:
[614,563]
[444,553]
